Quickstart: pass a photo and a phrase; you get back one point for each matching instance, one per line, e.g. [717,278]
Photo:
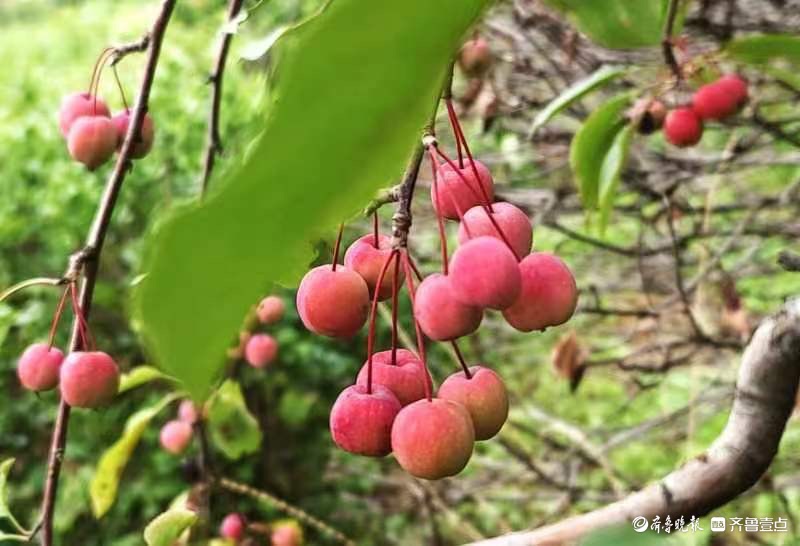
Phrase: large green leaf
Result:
[592,143]
[352,90]
[138,376]
[611,171]
[233,429]
[575,92]
[763,48]
[5,509]
[105,482]
[168,526]
[620,24]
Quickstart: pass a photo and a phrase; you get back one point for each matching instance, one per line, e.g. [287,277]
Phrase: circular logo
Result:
[639,524]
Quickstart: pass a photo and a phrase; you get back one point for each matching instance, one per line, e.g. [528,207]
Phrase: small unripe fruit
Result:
[483,395]
[649,115]
[485,273]
[232,527]
[405,378]
[440,314]
[38,367]
[433,439]
[682,127]
[720,99]
[261,349]
[465,193]
[187,412]
[361,422]
[78,105]
[270,310]
[475,57]
[89,379]
[142,143]
[515,225]
[92,141]
[333,303]
[549,294]
[367,260]
[175,436]
[286,533]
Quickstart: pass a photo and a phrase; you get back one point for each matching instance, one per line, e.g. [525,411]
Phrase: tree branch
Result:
[764,400]
[666,41]
[90,255]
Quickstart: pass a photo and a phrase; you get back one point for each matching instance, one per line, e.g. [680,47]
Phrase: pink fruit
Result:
[261,349]
[453,190]
[89,379]
[92,141]
[78,105]
[514,223]
[720,99]
[361,422]
[441,316]
[175,436]
[232,527]
[682,127]
[433,439]
[475,57]
[38,367]
[287,533]
[270,310]
[405,378]
[333,303]
[144,141]
[367,260]
[483,395]
[549,294]
[485,273]
[187,412]
[736,86]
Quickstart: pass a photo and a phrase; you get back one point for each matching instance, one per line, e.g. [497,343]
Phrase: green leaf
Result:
[619,24]
[14,538]
[575,92]
[105,482]
[5,509]
[233,429]
[352,90]
[139,376]
[611,171]
[763,48]
[167,527]
[591,145]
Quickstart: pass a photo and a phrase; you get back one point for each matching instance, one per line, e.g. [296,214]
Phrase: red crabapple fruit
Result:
[286,533]
[721,98]
[514,223]
[147,134]
[270,310]
[92,140]
[187,412]
[475,57]
[38,367]
[261,350]
[333,303]
[232,527]
[683,127]
[485,273]
[455,194]
[175,436]
[78,105]
[88,379]
[484,395]
[361,422]
[441,316]
[433,439]
[405,378]
[549,294]
[367,260]
[735,86]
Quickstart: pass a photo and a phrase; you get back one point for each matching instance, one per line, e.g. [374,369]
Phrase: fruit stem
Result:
[667,41]
[104,58]
[439,220]
[460,134]
[38,281]
[119,86]
[100,59]
[373,314]
[57,318]
[375,230]
[395,290]
[420,339]
[337,246]
[83,327]
[461,359]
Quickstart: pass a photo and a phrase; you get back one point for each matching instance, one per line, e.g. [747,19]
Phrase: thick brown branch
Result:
[94,241]
[764,400]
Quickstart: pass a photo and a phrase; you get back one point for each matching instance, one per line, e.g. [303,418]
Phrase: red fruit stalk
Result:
[373,312]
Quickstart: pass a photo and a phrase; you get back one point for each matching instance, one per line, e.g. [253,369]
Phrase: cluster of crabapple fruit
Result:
[92,134]
[391,407]
[176,434]
[234,528]
[86,378]
[260,349]
[683,126]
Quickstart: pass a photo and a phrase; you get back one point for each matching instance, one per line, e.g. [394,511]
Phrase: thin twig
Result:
[667,39]
[38,281]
